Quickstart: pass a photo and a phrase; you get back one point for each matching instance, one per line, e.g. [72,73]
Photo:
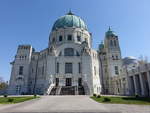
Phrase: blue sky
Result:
[30,22]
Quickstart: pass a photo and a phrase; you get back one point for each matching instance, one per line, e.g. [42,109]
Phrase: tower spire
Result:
[109,29]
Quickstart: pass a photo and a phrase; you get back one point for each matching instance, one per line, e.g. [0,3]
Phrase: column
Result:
[129,85]
[142,85]
[148,79]
[135,85]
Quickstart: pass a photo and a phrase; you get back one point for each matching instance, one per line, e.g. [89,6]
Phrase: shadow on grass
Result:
[146,99]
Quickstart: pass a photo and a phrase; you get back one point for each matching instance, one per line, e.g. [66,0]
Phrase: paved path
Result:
[80,104]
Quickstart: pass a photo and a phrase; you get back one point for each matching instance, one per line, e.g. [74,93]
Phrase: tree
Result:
[3,84]
[143,59]
[1,80]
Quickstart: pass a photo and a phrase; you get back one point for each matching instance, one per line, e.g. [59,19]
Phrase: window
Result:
[69,52]
[116,70]
[117,57]
[80,82]
[19,78]
[79,67]
[115,44]
[32,70]
[94,70]
[77,53]
[53,40]
[60,54]
[18,88]
[78,38]
[68,82]
[111,43]
[60,38]
[57,81]
[105,70]
[21,70]
[57,68]
[86,40]
[43,70]
[68,67]
[69,37]
[113,57]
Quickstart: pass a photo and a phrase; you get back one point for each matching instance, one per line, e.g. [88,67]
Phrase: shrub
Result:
[106,99]
[136,96]
[5,96]
[35,95]
[98,96]
[10,100]
[22,93]
[94,95]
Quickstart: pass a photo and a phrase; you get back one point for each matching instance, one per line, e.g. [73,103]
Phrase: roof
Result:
[69,20]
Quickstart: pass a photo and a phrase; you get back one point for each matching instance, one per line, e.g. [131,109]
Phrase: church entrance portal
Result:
[57,81]
[68,82]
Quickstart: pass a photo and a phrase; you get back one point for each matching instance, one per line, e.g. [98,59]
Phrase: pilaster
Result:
[142,85]
[148,79]
[135,85]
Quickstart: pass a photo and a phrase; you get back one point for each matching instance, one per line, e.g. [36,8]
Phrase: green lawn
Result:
[122,100]
[11,100]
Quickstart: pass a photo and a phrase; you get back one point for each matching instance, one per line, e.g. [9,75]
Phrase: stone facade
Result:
[68,63]
[110,60]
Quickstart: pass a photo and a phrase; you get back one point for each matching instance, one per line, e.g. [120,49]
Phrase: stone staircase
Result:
[50,88]
[81,90]
[53,91]
[67,90]
[58,90]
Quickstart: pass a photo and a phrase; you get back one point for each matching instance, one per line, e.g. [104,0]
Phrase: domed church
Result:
[69,65]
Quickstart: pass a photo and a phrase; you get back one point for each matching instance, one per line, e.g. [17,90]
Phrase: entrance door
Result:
[57,81]
[68,82]
[80,82]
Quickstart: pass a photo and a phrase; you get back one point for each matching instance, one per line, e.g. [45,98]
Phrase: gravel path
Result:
[82,104]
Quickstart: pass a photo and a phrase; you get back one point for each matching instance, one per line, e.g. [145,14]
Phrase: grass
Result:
[12,100]
[123,100]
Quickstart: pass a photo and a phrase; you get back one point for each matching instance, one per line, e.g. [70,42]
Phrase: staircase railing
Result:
[76,90]
[50,88]
[58,90]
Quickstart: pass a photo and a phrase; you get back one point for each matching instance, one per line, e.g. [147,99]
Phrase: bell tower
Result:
[113,55]
[113,62]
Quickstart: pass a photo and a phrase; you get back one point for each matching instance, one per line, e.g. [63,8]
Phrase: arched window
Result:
[69,52]
[60,38]
[57,67]
[78,38]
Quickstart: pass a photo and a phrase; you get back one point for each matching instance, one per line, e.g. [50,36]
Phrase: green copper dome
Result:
[69,20]
[101,46]
[110,33]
